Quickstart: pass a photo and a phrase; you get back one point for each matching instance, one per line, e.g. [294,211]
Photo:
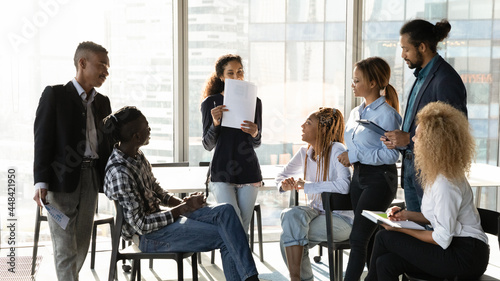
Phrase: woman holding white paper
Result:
[457,247]
[374,181]
[235,175]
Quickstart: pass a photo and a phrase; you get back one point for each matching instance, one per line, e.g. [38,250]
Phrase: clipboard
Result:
[372,126]
[381,217]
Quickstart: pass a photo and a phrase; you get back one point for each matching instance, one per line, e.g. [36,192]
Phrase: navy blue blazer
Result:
[60,126]
[442,84]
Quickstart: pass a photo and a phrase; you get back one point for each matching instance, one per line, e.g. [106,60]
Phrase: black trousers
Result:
[395,253]
[372,188]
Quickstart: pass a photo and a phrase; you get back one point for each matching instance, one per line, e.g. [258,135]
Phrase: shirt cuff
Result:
[41,185]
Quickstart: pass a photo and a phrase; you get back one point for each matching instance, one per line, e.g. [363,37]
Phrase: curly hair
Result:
[214,84]
[330,130]
[378,70]
[444,144]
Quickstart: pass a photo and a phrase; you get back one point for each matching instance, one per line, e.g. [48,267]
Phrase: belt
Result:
[408,154]
[88,163]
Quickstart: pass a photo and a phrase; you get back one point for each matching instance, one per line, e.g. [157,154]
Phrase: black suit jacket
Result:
[442,84]
[60,127]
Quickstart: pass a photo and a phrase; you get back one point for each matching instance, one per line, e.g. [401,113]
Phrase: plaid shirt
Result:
[130,181]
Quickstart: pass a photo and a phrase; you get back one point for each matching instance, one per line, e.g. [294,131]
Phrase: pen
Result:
[402,209]
[215,105]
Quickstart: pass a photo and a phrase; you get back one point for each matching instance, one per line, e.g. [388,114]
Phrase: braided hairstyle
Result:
[330,130]
[214,84]
[115,122]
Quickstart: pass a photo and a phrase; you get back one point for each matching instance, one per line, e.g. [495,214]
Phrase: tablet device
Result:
[372,126]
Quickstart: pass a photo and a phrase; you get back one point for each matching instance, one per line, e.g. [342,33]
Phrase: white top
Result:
[339,177]
[449,207]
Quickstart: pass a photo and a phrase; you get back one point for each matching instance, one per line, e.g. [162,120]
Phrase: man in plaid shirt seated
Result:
[188,225]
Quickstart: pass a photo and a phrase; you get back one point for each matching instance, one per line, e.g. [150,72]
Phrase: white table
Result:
[192,179]
[483,175]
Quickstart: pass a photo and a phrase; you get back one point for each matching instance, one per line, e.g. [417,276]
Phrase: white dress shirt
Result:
[449,207]
[339,177]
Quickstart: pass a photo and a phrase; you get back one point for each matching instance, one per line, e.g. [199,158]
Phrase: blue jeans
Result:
[304,226]
[412,188]
[241,198]
[206,229]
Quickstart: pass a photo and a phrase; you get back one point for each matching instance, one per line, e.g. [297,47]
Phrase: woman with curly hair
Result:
[374,181]
[235,175]
[456,246]
[304,226]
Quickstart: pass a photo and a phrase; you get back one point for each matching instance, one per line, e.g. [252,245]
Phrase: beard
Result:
[418,61]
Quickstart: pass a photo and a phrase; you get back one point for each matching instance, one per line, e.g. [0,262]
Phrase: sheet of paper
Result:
[240,98]
[381,217]
[58,216]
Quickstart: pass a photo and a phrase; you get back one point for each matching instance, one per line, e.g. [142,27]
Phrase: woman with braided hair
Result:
[374,180]
[304,226]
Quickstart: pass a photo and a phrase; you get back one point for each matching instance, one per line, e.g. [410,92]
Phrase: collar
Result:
[132,160]
[374,105]
[421,73]
[81,91]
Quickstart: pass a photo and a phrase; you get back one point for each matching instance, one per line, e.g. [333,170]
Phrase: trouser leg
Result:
[246,197]
[372,188]
[71,244]
[412,189]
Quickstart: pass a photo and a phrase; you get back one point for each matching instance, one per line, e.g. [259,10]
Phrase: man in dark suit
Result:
[436,81]
[71,153]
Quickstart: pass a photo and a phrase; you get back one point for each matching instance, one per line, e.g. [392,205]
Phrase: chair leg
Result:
[92,251]
[112,270]
[259,233]
[198,257]
[251,231]
[317,259]
[212,258]
[180,267]
[35,244]
[331,265]
[339,265]
[136,270]
[194,266]
[150,263]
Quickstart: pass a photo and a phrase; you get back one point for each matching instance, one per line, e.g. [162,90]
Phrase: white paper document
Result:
[381,217]
[240,98]
[61,219]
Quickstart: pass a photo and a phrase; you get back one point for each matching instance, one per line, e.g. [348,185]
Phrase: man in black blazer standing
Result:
[71,152]
[436,81]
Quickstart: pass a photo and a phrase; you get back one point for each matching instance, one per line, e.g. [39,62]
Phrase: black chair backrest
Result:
[174,164]
[490,221]
[338,201]
[115,240]
[207,180]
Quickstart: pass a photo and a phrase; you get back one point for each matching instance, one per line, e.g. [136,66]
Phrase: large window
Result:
[293,50]
[38,43]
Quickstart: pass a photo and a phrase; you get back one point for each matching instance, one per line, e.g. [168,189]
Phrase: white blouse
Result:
[449,207]
[339,177]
